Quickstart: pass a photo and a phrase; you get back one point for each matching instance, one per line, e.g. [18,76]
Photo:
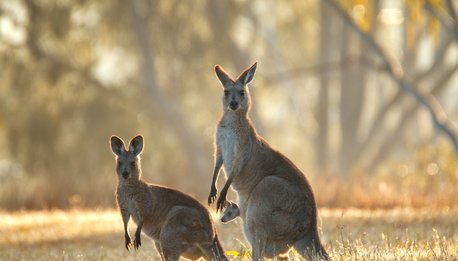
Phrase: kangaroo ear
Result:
[136,145]
[117,145]
[223,76]
[247,76]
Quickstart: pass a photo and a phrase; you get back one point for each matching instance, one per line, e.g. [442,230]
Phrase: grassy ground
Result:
[348,234]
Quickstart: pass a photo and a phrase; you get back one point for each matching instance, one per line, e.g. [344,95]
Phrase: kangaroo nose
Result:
[233,105]
[125,174]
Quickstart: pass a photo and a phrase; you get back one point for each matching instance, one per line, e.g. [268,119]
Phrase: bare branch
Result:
[453,11]
[395,70]
[320,69]
[389,141]
[447,22]
[378,119]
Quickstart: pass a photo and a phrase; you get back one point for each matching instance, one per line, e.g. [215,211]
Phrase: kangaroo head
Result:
[127,161]
[236,95]
[231,212]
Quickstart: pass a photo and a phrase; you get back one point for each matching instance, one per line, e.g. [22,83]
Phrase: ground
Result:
[348,234]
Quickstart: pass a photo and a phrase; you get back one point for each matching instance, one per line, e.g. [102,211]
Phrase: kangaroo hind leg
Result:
[258,246]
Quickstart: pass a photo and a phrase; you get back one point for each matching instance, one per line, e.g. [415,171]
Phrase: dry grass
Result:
[348,234]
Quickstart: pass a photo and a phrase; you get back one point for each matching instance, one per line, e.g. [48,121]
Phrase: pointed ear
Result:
[247,76]
[223,76]
[136,145]
[117,145]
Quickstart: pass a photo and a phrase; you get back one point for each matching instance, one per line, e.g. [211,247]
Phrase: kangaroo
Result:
[178,223]
[231,211]
[276,202]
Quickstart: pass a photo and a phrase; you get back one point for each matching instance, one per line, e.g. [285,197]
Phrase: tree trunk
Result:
[352,94]
[174,119]
[396,72]
[322,144]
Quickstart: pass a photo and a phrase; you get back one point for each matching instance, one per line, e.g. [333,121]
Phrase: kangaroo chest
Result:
[140,208]
[229,143]
[127,201]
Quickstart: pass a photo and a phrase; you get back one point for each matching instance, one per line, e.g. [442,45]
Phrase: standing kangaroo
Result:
[275,199]
[178,224]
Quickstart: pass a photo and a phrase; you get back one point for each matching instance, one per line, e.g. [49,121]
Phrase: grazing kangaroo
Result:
[231,211]
[178,224]
[275,199]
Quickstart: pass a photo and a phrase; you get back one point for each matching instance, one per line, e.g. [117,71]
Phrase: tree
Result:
[394,67]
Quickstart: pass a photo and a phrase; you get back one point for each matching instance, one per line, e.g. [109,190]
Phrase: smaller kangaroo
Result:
[178,223]
[230,212]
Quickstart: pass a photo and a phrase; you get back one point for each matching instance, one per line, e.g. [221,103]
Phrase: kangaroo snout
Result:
[234,105]
[125,174]
[224,219]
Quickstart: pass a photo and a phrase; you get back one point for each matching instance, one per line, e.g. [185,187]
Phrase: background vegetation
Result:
[361,95]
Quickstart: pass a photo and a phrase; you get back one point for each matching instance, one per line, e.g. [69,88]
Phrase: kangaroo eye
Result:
[226,93]
[132,163]
[242,93]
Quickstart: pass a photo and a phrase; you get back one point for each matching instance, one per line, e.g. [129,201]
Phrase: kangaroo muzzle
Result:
[234,105]
[125,174]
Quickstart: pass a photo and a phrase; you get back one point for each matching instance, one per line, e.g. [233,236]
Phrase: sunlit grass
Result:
[398,234]
[348,234]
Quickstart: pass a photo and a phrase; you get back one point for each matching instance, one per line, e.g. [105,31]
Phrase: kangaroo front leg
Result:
[137,240]
[218,164]
[125,220]
[222,202]
[237,166]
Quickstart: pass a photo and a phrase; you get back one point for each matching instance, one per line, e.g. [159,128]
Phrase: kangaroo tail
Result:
[311,247]
[316,248]
[319,253]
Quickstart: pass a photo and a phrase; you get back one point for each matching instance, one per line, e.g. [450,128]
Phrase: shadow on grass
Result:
[107,246]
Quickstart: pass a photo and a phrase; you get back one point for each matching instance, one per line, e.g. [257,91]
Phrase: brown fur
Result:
[275,199]
[178,224]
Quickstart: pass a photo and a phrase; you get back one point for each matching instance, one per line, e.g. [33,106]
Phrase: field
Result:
[348,234]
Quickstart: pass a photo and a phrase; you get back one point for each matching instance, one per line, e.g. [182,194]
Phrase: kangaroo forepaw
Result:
[221,204]
[212,196]
[137,242]
[128,242]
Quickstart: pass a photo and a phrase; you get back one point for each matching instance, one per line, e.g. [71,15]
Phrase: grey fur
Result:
[275,199]
[231,211]
[178,224]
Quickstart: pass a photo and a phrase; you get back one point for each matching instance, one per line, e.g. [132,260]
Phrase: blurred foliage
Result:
[429,178]
[73,74]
